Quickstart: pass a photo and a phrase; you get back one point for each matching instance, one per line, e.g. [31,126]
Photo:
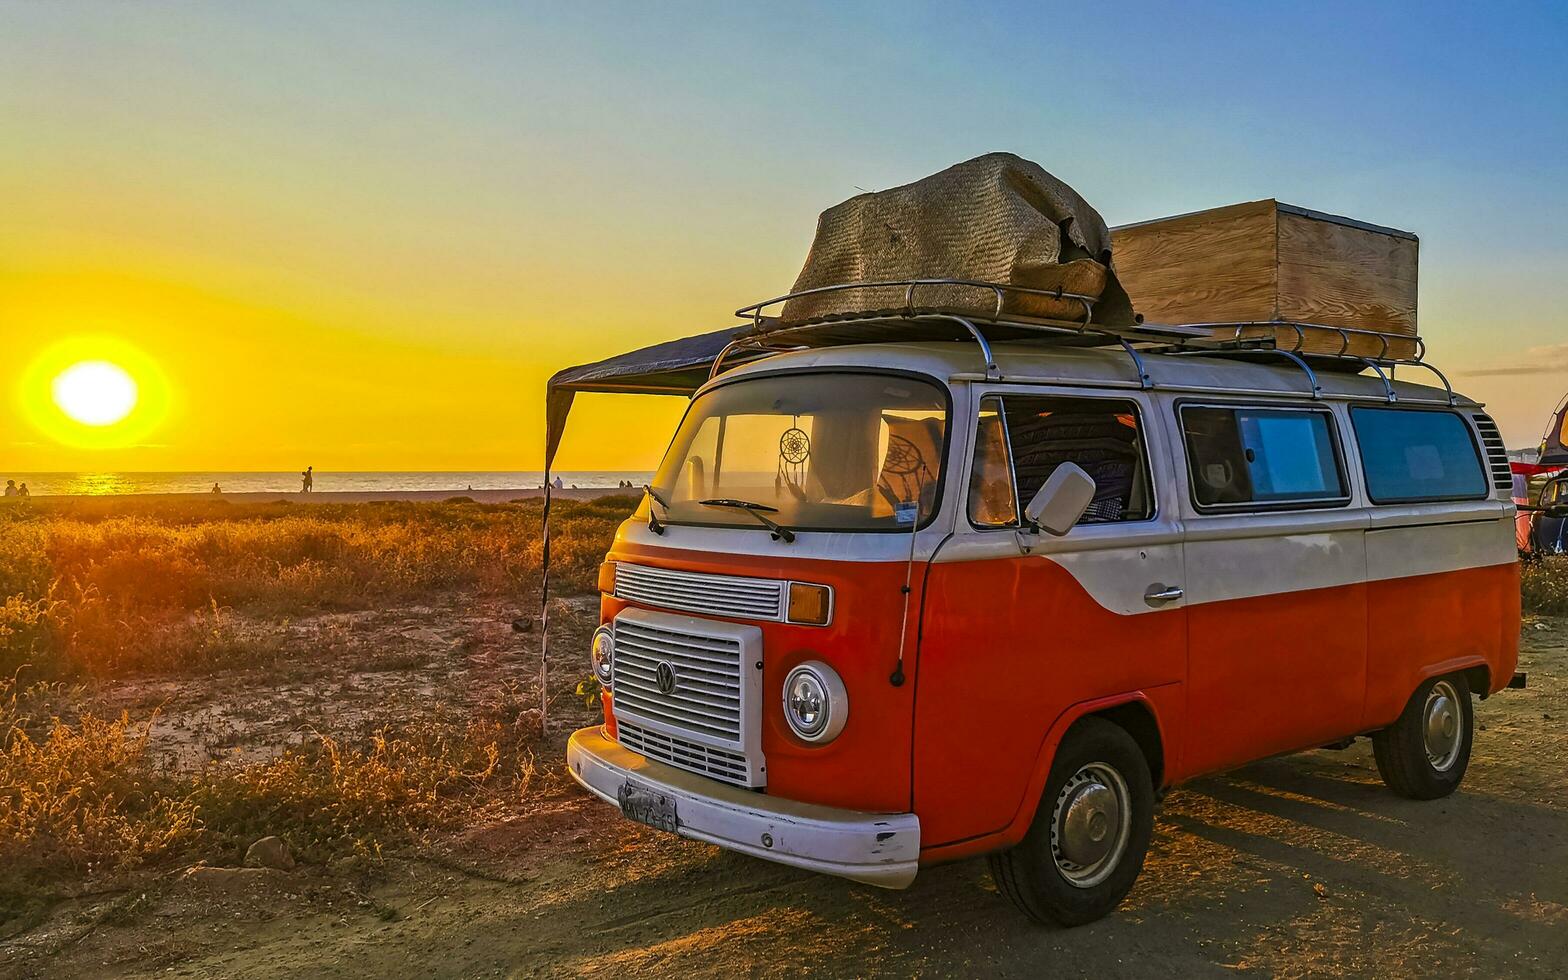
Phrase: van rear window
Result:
[1261,456]
[1415,455]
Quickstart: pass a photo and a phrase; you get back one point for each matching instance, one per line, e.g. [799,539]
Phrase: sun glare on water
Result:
[95,392]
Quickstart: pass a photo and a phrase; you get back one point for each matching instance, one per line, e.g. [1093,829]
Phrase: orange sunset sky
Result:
[363,236]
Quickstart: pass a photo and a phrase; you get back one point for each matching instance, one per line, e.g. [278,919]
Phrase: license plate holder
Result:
[648,806]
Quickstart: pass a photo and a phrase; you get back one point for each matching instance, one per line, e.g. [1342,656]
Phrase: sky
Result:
[361,236]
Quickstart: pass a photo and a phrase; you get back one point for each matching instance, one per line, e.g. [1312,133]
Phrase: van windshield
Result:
[840,451]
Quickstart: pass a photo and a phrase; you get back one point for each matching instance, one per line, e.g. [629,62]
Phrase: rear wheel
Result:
[1423,755]
[1089,836]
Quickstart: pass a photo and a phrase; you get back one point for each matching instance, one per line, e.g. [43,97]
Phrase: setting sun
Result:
[95,392]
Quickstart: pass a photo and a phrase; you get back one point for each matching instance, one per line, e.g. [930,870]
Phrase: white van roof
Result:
[1260,373]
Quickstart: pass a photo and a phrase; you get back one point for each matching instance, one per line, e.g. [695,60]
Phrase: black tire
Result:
[1032,874]
[1411,766]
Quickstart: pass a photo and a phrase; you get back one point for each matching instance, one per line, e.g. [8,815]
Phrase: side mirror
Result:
[1066,495]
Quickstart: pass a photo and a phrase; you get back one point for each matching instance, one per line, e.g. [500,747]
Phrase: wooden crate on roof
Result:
[1264,261]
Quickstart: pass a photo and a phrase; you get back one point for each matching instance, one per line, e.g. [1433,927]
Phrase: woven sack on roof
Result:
[996,218]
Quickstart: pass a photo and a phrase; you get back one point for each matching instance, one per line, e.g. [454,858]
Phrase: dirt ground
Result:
[1298,866]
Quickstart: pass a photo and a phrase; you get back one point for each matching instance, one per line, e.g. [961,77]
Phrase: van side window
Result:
[1412,455]
[1023,438]
[1261,456]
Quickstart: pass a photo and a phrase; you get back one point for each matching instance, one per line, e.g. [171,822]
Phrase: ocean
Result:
[44,484]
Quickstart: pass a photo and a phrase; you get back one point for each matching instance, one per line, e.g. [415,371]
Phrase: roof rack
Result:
[755,311]
[1188,339]
[1241,346]
[982,329]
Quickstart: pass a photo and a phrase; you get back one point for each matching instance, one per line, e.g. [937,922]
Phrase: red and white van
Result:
[894,604]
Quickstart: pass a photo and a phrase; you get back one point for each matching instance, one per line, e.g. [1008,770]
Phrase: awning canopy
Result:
[677,367]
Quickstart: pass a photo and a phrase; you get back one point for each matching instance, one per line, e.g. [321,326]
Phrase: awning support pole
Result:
[544,608]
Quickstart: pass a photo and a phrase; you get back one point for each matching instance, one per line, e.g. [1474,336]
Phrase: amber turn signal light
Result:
[811,605]
[607,577]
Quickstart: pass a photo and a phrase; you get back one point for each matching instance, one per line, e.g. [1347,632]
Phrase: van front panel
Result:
[867,766]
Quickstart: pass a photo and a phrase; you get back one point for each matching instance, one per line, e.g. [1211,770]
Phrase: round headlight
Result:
[815,702]
[603,654]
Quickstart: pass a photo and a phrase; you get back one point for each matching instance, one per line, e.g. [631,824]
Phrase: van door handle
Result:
[1158,594]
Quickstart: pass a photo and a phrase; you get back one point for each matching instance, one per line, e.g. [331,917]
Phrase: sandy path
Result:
[1296,866]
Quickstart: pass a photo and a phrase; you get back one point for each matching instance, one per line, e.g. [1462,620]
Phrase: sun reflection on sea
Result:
[99,484]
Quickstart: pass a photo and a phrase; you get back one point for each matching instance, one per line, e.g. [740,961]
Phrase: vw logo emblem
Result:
[665,673]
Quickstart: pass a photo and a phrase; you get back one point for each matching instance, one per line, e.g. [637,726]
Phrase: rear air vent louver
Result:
[1496,453]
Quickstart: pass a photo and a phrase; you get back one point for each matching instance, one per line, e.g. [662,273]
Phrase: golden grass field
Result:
[180,678]
[99,597]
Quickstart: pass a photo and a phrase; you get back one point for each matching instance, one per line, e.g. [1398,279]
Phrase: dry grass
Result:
[80,798]
[101,590]
[1544,583]
[109,587]
[77,802]
[331,799]
[84,801]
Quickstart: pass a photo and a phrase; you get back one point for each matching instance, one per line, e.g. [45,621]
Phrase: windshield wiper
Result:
[759,511]
[654,524]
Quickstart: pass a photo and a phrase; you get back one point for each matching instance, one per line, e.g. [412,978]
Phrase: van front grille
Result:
[687,691]
[705,695]
[719,595]
[692,756]
[1496,452]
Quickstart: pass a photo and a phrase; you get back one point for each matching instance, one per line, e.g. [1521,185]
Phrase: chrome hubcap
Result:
[1441,723]
[1090,825]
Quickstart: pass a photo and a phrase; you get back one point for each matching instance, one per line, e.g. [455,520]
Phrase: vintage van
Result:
[893,604]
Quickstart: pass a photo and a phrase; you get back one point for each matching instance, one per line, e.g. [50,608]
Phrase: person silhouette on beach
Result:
[216,488]
[10,488]
[307,479]
[560,484]
[22,491]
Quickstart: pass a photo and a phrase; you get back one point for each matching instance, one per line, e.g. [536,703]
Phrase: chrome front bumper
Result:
[876,848]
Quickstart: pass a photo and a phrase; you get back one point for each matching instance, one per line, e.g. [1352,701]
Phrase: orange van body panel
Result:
[1010,644]
[607,702]
[868,766]
[1165,704]
[1274,673]
[1427,625]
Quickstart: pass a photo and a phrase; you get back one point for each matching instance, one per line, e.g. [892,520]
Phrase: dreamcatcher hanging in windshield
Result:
[904,474]
[794,451]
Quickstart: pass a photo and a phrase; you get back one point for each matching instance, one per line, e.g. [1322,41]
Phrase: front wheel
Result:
[1423,755]
[1087,843]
